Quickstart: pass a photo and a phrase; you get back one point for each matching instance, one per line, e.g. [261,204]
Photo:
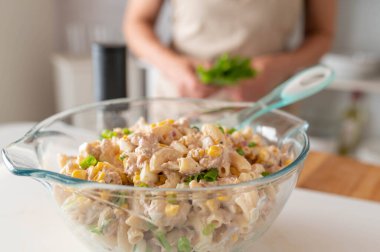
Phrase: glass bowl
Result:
[124,218]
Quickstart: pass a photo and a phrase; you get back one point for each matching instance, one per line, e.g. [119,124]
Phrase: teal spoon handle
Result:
[304,84]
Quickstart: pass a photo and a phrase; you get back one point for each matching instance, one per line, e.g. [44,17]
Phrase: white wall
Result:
[27,40]
[26,43]
[358,26]
[89,18]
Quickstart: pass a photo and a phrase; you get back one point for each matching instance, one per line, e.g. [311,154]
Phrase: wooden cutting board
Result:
[340,175]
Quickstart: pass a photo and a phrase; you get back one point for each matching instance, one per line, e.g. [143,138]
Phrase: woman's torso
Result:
[205,29]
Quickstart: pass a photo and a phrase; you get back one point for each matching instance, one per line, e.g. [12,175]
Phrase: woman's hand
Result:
[143,41]
[182,72]
[272,70]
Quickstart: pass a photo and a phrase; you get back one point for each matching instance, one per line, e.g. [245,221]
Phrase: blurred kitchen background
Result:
[45,67]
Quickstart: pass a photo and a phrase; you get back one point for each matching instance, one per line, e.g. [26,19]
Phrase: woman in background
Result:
[202,30]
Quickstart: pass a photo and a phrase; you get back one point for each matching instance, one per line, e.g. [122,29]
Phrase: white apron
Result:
[205,29]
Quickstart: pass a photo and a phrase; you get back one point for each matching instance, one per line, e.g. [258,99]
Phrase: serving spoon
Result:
[302,85]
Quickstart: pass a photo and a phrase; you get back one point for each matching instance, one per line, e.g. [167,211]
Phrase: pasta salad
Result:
[172,154]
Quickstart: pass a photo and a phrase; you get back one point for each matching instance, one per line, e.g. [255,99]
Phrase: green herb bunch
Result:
[226,71]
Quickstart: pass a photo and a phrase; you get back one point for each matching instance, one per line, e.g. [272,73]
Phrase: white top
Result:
[205,29]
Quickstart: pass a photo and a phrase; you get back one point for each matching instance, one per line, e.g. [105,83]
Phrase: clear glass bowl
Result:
[123,218]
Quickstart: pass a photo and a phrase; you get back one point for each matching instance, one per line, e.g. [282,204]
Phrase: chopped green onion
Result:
[252,144]
[127,131]
[184,245]
[230,131]
[99,229]
[96,230]
[151,226]
[107,134]
[221,129]
[88,161]
[172,199]
[264,174]
[122,156]
[209,229]
[240,151]
[192,177]
[164,242]
[120,200]
[195,127]
[211,175]
[135,248]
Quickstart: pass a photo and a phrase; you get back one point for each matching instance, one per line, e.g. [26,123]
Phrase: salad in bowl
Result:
[161,175]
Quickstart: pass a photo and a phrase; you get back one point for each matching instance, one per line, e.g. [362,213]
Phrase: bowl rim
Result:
[50,176]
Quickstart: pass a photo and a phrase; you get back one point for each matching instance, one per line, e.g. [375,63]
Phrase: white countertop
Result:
[311,221]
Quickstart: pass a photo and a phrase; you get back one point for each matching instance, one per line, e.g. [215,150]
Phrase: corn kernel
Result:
[153,125]
[106,165]
[287,162]
[162,123]
[100,177]
[105,195]
[125,137]
[94,172]
[170,121]
[263,155]
[171,210]
[124,206]
[223,198]
[100,165]
[79,174]
[234,171]
[212,205]
[234,237]
[214,151]
[201,152]
[136,177]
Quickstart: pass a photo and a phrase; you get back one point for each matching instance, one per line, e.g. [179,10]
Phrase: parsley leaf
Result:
[160,235]
[221,129]
[96,229]
[127,131]
[264,174]
[252,144]
[88,161]
[184,244]
[196,128]
[230,131]
[240,151]
[209,229]
[108,134]
[209,175]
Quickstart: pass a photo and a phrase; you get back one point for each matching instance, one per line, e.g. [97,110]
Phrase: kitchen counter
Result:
[340,175]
